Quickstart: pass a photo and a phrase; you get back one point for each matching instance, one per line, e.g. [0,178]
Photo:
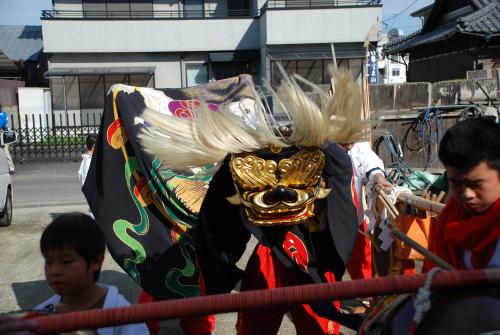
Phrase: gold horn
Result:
[323,192]
[234,199]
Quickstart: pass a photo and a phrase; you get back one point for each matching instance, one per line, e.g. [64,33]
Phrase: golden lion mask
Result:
[278,190]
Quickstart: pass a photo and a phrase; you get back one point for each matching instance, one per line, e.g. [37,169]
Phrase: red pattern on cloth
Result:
[456,231]
[267,272]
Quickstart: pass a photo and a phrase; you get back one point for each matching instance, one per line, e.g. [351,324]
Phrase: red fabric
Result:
[267,272]
[198,326]
[456,231]
[408,267]
[204,324]
[153,326]
[360,264]
[191,326]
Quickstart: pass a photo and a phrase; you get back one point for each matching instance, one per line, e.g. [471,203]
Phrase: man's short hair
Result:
[76,231]
[470,142]
[91,140]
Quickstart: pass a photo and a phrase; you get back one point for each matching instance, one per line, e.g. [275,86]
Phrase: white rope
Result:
[422,301]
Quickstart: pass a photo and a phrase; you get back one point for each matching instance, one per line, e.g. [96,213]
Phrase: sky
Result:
[22,12]
[395,13]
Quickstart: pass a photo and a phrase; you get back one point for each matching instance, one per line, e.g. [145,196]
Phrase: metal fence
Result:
[50,138]
[202,13]
[156,14]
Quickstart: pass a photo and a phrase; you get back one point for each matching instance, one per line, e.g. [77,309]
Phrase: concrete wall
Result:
[398,97]
[35,106]
[463,91]
[150,35]
[8,92]
[419,157]
[295,26]
[396,108]
[394,97]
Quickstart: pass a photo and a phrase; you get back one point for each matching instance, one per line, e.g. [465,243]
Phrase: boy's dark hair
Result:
[77,231]
[470,142]
[90,141]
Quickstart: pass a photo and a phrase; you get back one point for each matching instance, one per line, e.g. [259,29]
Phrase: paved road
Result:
[41,192]
[47,184]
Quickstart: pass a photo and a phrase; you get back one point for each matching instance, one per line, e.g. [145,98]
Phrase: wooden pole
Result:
[421,203]
[415,245]
[257,300]
[398,234]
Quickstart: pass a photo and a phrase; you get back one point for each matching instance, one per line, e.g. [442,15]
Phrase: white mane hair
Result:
[247,127]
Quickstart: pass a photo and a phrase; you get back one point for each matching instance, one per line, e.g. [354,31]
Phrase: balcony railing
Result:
[318,3]
[202,13]
[156,14]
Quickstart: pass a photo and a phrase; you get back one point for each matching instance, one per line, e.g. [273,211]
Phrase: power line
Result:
[404,10]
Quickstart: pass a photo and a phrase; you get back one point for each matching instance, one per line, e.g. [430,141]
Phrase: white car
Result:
[7,137]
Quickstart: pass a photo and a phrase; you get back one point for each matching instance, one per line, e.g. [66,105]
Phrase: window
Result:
[196,74]
[141,80]
[224,70]
[112,79]
[91,92]
[315,71]
[395,72]
[290,66]
[118,8]
[238,8]
[193,8]
[94,8]
[141,8]
[355,66]
[326,71]
[72,92]
[312,70]
[56,88]
[88,92]
[65,90]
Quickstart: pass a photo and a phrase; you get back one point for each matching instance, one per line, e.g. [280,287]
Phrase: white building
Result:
[92,44]
[392,69]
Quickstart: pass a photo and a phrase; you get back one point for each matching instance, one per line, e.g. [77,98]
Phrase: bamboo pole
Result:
[388,202]
[421,203]
[440,196]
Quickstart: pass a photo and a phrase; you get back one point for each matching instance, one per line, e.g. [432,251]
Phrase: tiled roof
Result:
[485,20]
[417,39]
[482,3]
[21,43]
